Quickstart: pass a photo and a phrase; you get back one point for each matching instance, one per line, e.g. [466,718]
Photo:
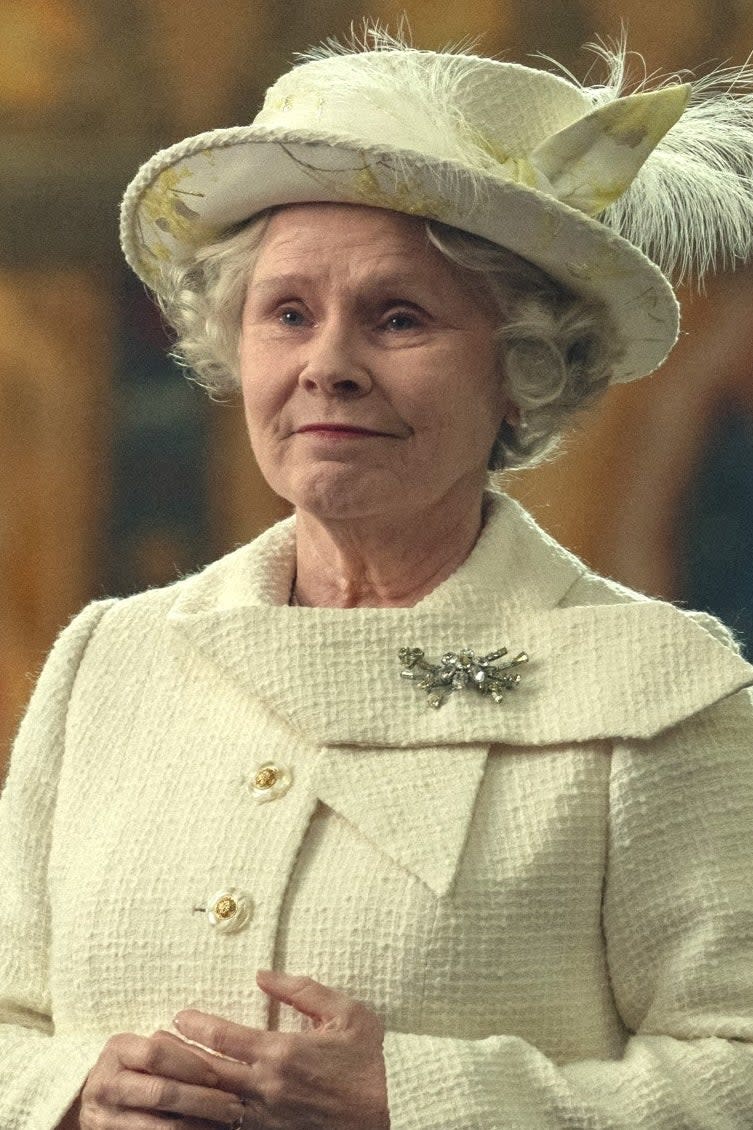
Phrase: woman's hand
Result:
[139,1081]
[329,1076]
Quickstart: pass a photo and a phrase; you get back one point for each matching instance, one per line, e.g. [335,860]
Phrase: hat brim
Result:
[200,187]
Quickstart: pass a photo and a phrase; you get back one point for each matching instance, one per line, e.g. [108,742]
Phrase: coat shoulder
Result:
[593,589]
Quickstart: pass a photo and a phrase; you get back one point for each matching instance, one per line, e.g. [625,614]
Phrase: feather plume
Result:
[374,35]
[690,207]
[428,82]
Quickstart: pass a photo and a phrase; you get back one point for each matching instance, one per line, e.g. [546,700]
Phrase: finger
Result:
[201,1124]
[232,1075]
[155,1055]
[221,1035]
[138,1120]
[148,1093]
[307,996]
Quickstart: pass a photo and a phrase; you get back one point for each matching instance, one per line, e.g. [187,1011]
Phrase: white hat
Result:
[523,157]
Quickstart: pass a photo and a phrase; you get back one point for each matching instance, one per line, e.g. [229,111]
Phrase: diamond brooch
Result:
[457,671]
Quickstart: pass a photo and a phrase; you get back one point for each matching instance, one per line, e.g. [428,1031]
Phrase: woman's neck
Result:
[383,561]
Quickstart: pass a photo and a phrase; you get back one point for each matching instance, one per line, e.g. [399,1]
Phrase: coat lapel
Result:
[415,806]
[625,670]
[405,774]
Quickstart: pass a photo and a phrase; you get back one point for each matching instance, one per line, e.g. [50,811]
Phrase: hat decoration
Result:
[607,191]
[690,207]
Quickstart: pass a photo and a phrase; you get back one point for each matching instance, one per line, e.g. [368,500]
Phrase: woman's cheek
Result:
[263,399]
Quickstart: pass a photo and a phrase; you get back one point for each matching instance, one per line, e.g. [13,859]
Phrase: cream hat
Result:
[521,156]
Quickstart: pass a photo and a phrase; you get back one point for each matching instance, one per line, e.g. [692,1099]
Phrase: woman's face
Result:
[368,367]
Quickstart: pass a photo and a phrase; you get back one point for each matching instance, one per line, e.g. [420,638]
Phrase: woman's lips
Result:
[339,429]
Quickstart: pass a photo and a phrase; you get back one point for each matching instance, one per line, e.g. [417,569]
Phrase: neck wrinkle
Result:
[392,567]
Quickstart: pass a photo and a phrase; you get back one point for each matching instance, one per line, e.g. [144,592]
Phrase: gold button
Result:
[229,910]
[269,781]
[266,777]
[225,907]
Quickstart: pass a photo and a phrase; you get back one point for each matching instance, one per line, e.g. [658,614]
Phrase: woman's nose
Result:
[333,365]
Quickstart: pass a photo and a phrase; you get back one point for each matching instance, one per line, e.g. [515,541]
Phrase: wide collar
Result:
[596,671]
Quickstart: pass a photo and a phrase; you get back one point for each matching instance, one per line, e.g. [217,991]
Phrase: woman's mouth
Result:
[335,429]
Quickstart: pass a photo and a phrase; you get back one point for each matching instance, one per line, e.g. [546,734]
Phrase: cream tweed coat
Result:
[549,901]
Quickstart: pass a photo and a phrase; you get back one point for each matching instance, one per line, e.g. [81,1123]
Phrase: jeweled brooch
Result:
[457,671]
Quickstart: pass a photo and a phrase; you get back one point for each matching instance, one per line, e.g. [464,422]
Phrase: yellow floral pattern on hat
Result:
[590,164]
[491,156]
[165,208]
[405,195]
[397,190]
[277,103]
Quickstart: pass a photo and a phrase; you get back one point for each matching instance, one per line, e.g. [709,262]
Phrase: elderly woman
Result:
[295,842]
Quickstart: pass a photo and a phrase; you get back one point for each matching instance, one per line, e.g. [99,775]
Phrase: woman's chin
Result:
[339,493]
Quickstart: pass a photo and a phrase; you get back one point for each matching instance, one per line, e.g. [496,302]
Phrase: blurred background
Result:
[118,474]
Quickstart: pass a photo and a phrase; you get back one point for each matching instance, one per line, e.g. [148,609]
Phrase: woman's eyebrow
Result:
[394,285]
[281,281]
[396,282]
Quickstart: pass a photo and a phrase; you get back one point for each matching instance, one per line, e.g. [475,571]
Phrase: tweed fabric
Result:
[549,902]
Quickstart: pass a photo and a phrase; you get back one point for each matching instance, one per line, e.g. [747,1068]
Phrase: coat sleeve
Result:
[40,1072]
[678,925]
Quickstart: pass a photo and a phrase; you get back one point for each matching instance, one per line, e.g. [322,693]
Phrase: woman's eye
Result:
[402,320]
[290,317]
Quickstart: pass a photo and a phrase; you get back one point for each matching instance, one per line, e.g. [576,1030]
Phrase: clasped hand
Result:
[331,1075]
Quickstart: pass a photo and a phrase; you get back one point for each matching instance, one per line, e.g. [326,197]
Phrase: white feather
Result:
[374,35]
[426,82]
[689,208]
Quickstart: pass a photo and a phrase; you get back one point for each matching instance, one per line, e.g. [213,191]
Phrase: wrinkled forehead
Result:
[344,242]
[295,227]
